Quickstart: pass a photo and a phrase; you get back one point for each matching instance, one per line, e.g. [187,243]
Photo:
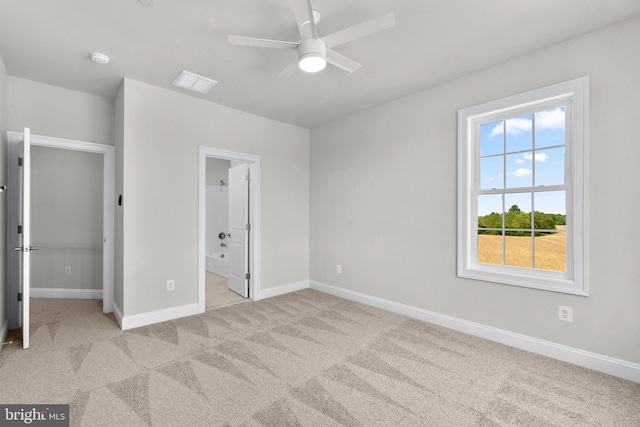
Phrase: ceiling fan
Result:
[313,51]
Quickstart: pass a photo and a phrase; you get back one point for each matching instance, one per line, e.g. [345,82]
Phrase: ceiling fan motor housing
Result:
[312,47]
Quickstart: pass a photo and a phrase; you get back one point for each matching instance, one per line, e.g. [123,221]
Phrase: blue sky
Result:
[520,163]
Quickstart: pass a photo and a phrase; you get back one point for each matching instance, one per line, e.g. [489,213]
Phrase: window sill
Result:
[553,282]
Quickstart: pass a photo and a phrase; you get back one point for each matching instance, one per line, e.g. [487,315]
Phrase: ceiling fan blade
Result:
[343,62]
[289,70]
[312,21]
[302,16]
[251,41]
[360,30]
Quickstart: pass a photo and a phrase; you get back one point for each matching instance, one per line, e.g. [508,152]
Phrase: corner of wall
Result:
[118,136]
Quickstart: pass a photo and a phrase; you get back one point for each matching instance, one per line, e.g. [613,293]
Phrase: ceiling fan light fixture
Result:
[313,51]
[312,63]
[312,55]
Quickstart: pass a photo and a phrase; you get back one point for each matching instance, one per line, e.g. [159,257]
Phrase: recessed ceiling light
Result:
[194,82]
[99,58]
[147,3]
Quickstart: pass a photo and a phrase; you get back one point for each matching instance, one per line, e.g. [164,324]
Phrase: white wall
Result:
[162,132]
[217,169]
[66,218]
[217,218]
[383,199]
[62,113]
[4,114]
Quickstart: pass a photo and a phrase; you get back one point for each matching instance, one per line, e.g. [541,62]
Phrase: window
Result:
[522,189]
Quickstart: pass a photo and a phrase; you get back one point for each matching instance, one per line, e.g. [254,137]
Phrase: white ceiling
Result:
[433,41]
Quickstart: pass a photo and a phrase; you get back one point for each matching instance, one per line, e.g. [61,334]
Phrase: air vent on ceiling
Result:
[194,82]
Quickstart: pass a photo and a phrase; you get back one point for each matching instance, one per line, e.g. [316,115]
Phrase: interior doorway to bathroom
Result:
[218,236]
[229,228]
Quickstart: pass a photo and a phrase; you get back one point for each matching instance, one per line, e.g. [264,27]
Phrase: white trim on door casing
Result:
[108,198]
[254,218]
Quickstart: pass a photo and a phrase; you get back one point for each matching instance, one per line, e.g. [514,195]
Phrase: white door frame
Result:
[108,154]
[254,218]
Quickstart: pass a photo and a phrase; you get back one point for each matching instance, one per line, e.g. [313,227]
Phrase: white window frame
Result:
[574,94]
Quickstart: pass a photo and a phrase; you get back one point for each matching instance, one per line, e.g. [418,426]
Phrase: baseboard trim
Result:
[66,293]
[597,362]
[144,319]
[226,276]
[117,313]
[3,333]
[282,289]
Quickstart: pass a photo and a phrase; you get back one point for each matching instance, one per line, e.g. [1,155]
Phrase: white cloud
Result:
[497,130]
[519,161]
[490,179]
[550,119]
[516,126]
[521,172]
[540,157]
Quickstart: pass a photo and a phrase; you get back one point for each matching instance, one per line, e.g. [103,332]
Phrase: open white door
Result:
[24,192]
[239,230]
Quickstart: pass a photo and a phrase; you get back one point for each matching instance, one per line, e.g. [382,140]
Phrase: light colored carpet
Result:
[217,293]
[302,359]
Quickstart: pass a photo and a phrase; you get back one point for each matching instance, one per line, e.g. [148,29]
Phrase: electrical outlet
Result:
[339,269]
[171,285]
[565,313]
[67,270]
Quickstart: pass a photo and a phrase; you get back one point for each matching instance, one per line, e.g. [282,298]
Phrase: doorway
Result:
[217,232]
[100,251]
[229,228]
[66,223]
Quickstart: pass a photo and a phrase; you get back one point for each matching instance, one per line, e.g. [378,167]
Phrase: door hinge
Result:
[248,227]
[248,179]
[19,296]
[248,276]
[19,161]
[19,229]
